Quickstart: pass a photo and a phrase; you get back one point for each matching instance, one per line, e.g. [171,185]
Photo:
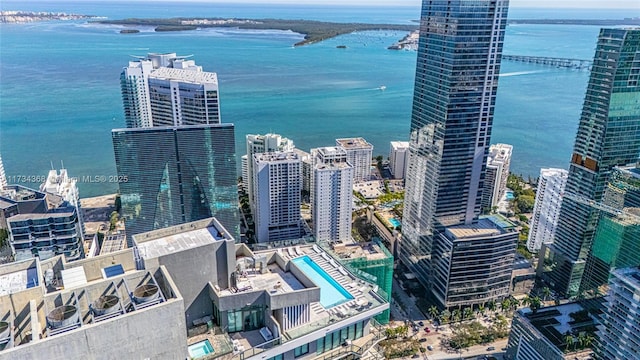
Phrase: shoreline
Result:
[313,31]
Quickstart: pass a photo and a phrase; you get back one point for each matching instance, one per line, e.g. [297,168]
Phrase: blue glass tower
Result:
[174,175]
[454,98]
[608,136]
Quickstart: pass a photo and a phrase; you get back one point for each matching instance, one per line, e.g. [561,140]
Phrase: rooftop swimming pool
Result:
[395,222]
[200,349]
[331,293]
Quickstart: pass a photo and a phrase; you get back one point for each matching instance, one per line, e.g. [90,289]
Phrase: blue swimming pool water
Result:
[200,349]
[509,195]
[331,293]
[394,222]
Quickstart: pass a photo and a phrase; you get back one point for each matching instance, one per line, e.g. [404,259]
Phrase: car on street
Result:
[430,348]
[491,348]
[427,329]
[420,323]
[415,356]
[422,339]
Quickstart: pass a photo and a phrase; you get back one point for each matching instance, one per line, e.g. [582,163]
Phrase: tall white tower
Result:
[331,194]
[547,207]
[359,155]
[258,144]
[277,190]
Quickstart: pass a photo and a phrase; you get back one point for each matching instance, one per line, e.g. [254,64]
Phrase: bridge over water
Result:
[551,61]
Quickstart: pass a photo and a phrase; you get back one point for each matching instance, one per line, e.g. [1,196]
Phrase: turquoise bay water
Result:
[60,94]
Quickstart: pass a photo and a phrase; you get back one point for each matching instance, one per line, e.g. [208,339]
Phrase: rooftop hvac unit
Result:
[146,293]
[105,305]
[63,317]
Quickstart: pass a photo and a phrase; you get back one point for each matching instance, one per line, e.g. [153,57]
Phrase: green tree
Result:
[433,311]
[467,313]
[546,292]
[445,316]
[568,341]
[113,220]
[481,309]
[505,305]
[525,203]
[491,305]
[456,315]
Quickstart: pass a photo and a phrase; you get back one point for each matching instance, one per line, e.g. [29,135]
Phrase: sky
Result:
[597,4]
[576,4]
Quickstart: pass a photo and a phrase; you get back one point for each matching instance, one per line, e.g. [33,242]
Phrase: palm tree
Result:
[433,311]
[568,340]
[546,292]
[535,303]
[456,315]
[491,305]
[514,303]
[588,340]
[467,313]
[581,340]
[445,315]
[481,309]
[505,305]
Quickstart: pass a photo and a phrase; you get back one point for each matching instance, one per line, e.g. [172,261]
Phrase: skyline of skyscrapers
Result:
[608,136]
[456,82]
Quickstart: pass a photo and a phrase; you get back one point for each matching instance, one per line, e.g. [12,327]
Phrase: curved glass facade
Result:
[174,175]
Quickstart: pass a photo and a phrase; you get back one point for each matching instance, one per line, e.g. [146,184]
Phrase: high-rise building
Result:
[41,224]
[307,164]
[331,195]
[259,144]
[359,155]
[619,338]
[546,208]
[496,174]
[62,185]
[454,99]
[172,175]
[552,333]
[476,262]
[616,242]
[277,190]
[168,90]
[608,136]
[398,158]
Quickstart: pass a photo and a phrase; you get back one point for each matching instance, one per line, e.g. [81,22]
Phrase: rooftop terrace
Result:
[353,143]
[191,76]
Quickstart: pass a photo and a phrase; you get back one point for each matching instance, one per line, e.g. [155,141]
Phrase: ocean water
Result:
[60,95]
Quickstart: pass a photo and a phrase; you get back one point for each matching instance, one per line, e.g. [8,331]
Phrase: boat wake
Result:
[516,73]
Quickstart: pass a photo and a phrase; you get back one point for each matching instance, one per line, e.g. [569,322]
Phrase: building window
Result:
[301,350]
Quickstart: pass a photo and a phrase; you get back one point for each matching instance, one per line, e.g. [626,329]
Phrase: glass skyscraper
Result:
[608,136]
[456,82]
[173,175]
[616,242]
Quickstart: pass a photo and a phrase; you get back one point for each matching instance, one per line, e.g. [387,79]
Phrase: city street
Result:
[433,338]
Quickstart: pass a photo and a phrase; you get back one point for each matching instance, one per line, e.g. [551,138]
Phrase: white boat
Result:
[382,87]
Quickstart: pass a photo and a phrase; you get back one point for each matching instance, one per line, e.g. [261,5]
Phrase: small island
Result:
[129,31]
[22,17]
[313,31]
